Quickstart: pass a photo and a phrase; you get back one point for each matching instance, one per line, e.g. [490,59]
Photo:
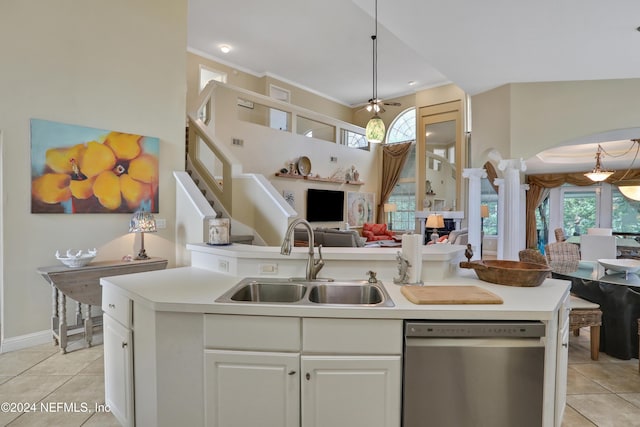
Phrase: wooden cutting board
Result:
[449,295]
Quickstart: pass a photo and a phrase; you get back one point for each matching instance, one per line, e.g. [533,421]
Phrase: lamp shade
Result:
[435,221]
[375,130]
[598,175]
[142,222]
[630,191]
[390,207]
[484,211]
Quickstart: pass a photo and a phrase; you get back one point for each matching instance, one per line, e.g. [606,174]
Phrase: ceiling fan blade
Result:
[393,104]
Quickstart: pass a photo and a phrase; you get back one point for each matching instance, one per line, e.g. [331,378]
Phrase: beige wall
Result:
[520,120]
[111,65]
[261,84]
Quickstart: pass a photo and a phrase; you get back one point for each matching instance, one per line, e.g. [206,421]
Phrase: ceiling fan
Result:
[376,105]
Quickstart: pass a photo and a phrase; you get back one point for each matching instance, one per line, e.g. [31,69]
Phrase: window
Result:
[580,209]
[354,140]
[489,197]
[207,74]
[625,215]
[403,129]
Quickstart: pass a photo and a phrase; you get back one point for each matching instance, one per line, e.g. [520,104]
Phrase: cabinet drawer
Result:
[252,332]
[117,306]
[352,336]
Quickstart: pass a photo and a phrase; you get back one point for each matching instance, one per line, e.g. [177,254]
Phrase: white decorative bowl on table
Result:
[622,265]
[75,258]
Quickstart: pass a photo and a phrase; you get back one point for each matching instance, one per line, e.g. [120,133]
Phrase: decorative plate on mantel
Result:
[304,166]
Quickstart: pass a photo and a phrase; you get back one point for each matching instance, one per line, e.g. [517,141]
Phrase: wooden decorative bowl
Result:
[509,273]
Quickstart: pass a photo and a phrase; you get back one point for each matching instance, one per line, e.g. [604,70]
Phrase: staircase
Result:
[246,239]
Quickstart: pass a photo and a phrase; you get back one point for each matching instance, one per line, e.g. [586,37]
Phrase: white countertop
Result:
[194,290]
[429,252]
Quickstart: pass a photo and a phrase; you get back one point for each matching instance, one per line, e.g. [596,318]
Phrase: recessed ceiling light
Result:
[225,48]
[412,83]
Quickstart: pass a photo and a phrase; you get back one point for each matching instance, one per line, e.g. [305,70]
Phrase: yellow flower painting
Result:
[76,169]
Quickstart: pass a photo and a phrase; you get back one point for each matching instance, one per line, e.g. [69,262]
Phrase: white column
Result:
[499,182]
[514,224]
[475,195]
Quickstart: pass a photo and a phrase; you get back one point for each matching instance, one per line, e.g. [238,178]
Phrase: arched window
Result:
[403,129]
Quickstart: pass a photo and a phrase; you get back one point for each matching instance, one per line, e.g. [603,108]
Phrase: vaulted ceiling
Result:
[325,46]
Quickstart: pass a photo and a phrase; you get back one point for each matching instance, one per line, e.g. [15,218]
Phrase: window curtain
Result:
[535,197]
[394,156]
[491,175]
[540,185]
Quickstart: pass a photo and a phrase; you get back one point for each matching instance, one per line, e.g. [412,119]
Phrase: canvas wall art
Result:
[360,208]
[77,169]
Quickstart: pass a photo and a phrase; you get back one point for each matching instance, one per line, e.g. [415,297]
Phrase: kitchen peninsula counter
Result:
[182,337]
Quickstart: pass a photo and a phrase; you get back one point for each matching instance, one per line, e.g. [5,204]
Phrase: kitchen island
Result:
[193,359]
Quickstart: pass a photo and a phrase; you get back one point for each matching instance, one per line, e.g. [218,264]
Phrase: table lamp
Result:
[388,208]
[142,222]
[484,213]
[435,221]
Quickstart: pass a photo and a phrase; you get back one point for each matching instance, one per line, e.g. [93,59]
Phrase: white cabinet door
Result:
[351,391]
[118,370]
[561,372]
[246,388]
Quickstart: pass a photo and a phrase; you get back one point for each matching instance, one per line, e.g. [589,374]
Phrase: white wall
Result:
[116,65]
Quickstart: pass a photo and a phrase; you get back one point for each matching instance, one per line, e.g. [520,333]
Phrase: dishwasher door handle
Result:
[474,342]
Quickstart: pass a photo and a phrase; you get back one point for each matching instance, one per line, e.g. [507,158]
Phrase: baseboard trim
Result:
[25,341]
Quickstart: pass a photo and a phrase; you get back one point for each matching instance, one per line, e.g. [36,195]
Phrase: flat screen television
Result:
[325,205]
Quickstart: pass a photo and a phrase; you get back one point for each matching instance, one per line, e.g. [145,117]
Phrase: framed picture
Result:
[289,197]
[360,208]
[77,169]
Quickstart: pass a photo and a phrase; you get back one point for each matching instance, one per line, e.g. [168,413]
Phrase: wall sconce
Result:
[435,221]
[142,222]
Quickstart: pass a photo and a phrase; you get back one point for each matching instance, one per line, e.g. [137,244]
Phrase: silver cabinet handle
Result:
[112,306]
[308,376]
[124,344]
[292,372]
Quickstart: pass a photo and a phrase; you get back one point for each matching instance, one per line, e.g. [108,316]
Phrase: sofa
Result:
[459,237]
[375,232]
[455,237]
[329,237]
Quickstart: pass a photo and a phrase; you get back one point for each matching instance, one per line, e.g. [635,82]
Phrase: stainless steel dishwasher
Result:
[473,373]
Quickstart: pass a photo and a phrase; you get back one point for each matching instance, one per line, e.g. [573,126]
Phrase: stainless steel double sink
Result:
[302,292]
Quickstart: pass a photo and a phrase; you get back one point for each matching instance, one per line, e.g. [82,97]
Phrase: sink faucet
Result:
[313,266]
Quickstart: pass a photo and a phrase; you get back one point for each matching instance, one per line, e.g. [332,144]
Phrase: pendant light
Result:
[375,128]
[631,188]
[597,174]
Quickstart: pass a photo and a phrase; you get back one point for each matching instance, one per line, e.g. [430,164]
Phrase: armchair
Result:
[375,232]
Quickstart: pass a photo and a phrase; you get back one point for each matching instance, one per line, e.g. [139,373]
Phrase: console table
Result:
[82,284]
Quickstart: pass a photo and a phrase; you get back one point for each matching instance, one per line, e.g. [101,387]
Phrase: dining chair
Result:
[562,254]
[560,236]
[594,247]
[584,313]
[534,256]
[600,231]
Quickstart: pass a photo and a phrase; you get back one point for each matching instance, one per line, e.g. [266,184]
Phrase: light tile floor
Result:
[599,393]
[42,377]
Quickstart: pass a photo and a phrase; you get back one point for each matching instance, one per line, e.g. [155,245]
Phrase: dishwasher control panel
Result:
[468,328]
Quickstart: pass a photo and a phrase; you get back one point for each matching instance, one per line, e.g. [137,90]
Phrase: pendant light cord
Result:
[374,37]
